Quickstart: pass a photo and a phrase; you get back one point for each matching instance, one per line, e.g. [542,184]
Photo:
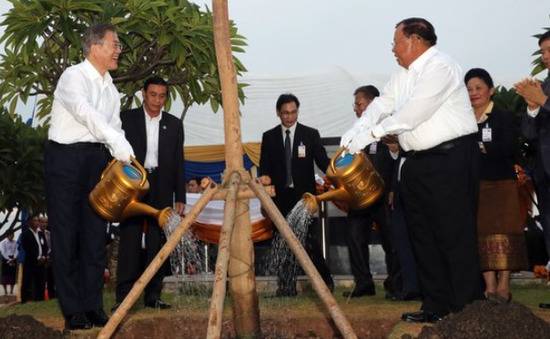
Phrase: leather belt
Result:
[77,145]
[442,148]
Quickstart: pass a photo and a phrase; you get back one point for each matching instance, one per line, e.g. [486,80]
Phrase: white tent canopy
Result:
[326,99]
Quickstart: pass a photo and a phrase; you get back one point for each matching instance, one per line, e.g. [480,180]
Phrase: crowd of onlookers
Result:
[32,250]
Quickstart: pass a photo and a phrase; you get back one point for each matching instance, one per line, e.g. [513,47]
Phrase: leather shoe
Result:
[544,305]
[421,317]
[158,304]
[77,321]
[403,296]
[360,291]
[97,318]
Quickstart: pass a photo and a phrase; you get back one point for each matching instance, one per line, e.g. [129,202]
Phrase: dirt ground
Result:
[302,317]
[191,327]
[24,326]
[489,319]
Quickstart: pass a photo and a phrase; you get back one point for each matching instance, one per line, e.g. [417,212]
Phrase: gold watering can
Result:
[115,197]
[355,179]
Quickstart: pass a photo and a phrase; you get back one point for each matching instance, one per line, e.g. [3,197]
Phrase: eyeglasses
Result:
[118,45]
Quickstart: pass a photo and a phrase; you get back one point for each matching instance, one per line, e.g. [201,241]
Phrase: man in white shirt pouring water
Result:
[85,125]
[426,104]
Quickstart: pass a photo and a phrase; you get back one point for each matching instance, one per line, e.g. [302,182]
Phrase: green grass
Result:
[195,303]
[531,295]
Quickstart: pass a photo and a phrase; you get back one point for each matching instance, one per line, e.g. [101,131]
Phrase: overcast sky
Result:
[289,36]
[293,37]
[300,36]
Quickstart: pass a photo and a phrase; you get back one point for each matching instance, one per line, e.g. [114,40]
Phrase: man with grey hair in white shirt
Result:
[85,127]
[426,104]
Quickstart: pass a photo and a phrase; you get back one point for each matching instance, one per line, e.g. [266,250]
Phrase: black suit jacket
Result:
[382,162]
[170,170]
[272,158]
[498,161]
[538,129]
[30,246]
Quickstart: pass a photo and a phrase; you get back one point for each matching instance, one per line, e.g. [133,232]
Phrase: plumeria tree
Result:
[169,38]
[537,63]
[21,165]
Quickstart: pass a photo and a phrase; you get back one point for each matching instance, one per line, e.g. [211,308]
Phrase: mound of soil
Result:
[489,319]
[196,327]
[24,326]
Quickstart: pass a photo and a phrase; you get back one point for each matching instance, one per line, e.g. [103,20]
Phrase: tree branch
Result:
[184,112]
[6,218]
[140,75]
[16,218]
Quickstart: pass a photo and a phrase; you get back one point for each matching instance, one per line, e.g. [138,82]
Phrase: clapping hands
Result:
[531,91]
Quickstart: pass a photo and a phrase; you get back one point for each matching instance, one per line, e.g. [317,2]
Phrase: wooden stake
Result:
[19,282]
[156,263]
[220,280]
[242,281]
[294,244]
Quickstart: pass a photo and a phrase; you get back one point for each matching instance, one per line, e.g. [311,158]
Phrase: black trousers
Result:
[77,232]
[50,282]
[132,259]
[406,280]
[34,281]
[285,201]
[542,187]
[358,239]
[440,190]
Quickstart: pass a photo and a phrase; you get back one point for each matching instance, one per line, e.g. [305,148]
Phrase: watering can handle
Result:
[338,152]
[141,170]
[111,163]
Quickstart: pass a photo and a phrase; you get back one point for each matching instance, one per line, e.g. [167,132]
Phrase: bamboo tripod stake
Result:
[19,282]
[171,243]
[301,255]
[242,280]
[220,278]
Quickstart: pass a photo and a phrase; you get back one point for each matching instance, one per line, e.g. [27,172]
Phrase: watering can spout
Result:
[312,201]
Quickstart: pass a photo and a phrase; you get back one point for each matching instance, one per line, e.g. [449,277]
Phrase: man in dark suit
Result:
[157,139]
[536,126]
[34,245]
[288,154]
[360,221]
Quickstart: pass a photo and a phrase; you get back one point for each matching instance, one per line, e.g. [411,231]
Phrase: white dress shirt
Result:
[86,107]
[426,105]
[152,131]
[38,242]
[533,112]
[8,249]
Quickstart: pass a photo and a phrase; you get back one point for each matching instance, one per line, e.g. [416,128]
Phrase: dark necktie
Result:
[288,159]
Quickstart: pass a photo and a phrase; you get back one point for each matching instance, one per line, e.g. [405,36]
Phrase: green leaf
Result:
[170,38]
[214,104]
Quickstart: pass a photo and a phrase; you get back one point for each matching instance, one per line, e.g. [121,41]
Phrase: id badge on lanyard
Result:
[301,150]
[486,134]
[372,147]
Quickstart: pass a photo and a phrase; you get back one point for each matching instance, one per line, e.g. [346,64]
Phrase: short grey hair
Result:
[94,36]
